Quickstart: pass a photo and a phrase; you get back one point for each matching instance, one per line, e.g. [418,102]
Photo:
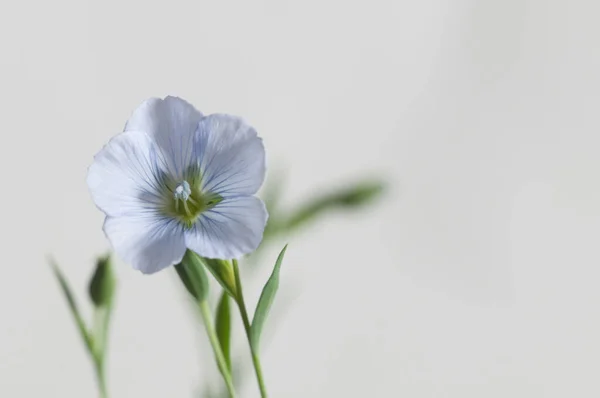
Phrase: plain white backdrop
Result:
[475,277]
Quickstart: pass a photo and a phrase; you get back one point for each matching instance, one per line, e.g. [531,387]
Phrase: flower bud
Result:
[222,270]
[192,274]
[360,194]
[102,285]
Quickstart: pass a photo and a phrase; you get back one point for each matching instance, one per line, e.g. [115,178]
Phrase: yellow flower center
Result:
[186,201]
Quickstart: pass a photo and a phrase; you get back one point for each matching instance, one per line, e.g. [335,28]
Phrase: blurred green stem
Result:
[99,367]
[244,313]
[98,349]
[214,341]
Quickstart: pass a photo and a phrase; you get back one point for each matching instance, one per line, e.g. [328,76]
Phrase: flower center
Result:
[187,202]
[183,191]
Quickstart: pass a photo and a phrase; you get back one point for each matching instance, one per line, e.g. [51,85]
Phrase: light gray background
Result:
[476,277]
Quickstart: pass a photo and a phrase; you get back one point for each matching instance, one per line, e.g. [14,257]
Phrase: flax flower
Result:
[177,180]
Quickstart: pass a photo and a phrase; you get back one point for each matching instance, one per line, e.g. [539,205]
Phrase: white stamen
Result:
[183,191]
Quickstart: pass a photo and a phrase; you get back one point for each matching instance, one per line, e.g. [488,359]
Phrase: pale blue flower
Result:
[177,180]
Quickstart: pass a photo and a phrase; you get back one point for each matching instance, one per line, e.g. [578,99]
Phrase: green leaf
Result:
[353,197]
[102,285]
[223,273]
[64,285]
[223,327]
[266,299]
[192,274]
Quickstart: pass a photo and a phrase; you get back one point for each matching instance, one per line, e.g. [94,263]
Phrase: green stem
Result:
[98,346]
[242,306]
[99,367]
[214,341]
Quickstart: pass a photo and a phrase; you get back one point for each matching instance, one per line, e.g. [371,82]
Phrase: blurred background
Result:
[474,275]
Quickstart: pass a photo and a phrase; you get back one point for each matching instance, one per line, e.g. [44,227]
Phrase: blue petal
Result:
[148,243]
[232,156]
[123,177]
[229,230]
[172,124]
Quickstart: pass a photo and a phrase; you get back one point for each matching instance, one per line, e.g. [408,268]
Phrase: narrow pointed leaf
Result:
[223,327]
[266,300]
[64,285]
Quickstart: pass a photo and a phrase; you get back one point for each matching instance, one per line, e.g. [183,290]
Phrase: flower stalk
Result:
[101,293]
[214,342]
[194,278]
[98,349]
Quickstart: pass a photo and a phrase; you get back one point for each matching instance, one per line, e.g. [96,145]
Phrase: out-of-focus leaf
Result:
[223,327]
[102,285]
[352,197]
[223,273]
[64,285]
[266,300]
[192,274]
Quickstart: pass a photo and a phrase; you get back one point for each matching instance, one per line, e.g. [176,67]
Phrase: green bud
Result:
[103,283]
[192,274]
[348,198]
[222,270]
[360,194]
